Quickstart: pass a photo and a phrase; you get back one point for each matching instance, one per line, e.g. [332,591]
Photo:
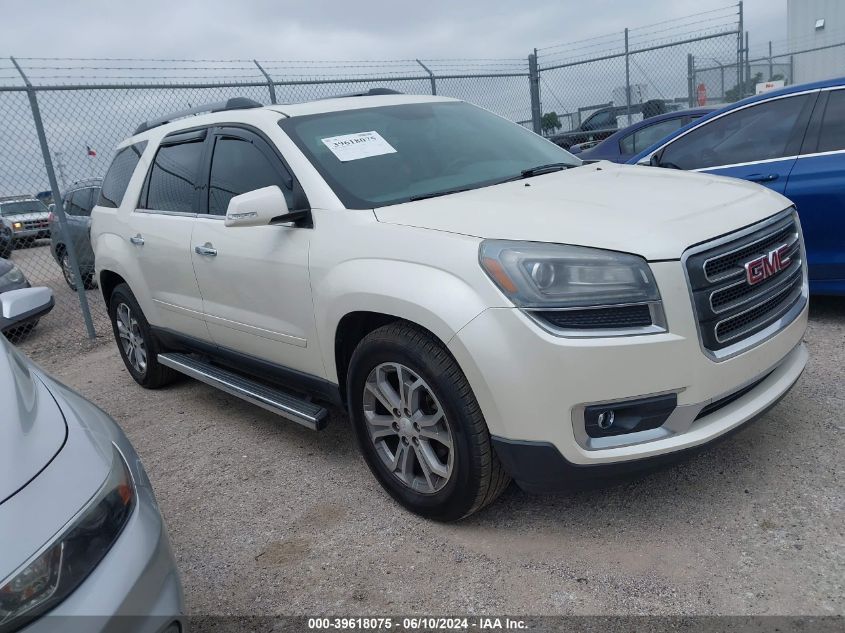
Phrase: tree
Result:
[750,88]
[550,122]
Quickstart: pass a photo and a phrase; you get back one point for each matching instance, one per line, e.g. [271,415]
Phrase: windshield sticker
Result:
[356,146]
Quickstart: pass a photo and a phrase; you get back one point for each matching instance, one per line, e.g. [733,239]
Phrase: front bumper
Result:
[533,386]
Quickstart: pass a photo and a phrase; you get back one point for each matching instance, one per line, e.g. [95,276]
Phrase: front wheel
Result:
[70,277]
[419,425]
[138,347]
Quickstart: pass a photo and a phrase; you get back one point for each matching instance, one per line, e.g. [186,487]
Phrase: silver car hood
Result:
[32,427]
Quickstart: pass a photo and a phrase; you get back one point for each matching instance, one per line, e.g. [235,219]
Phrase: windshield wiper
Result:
[437,194]
[538,170]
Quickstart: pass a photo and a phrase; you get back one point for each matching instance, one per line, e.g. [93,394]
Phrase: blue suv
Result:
[791,140]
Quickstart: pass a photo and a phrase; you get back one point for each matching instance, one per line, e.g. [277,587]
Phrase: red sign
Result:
[702,95]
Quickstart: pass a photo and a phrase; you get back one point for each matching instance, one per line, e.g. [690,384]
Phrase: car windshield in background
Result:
[22,207]
[374,157]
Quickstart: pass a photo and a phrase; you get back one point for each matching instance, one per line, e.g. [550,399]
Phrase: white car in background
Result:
[484,306]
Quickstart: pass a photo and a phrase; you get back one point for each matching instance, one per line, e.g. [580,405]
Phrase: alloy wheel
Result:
[408,428]
[131,338]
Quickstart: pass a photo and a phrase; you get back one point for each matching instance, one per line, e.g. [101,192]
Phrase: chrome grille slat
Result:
[789,276]
[730,311]
[739,253]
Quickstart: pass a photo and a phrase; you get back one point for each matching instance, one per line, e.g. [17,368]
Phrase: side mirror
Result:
[18,307]
[262,207]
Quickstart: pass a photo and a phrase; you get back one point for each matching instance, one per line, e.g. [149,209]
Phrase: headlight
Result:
[13,276]
[17,226]
[63,564]
[575,288]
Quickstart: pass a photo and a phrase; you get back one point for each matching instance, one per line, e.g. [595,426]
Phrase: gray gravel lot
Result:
[269,518]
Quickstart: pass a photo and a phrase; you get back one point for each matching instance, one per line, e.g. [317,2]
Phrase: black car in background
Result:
[77,203]
[605,121]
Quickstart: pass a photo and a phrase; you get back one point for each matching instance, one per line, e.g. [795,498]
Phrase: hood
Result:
[32,427]
[25,217]
[653,212]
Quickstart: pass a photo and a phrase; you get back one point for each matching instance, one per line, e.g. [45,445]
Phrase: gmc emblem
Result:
[763,267]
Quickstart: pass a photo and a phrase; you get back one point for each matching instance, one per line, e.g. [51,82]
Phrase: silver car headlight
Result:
[574,290]
[12,276]
[54,572]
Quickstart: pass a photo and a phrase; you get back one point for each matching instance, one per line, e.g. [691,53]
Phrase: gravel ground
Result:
[267,517]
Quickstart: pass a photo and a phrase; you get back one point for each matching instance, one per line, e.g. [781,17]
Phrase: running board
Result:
[279,402]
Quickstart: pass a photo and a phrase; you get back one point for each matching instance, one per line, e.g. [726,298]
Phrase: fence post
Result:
[691,80]
[771,67]
[747,73]
[57,199]
[270,85]
[430,77]
[534,89]
[627,79]
[740,82]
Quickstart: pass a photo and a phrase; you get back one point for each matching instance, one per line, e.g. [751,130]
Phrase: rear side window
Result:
[239,166]
[119,174]
[174,178]
[760,132]
[832,136]
[648,136]
[79,202]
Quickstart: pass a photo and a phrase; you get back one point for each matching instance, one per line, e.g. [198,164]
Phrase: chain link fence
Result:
[590,88]
[62,119]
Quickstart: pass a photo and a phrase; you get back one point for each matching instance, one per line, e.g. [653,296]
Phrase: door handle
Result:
[137,240]
[206,250]
[762,177]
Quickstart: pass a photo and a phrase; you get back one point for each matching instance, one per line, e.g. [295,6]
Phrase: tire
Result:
[470,474]
[67,272]
[144,368]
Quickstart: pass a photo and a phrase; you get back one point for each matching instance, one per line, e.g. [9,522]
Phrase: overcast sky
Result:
[336,29]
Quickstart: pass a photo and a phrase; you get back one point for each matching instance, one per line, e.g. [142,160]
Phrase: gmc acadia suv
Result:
[483,305]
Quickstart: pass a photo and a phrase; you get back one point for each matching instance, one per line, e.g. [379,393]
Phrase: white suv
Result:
[483,305]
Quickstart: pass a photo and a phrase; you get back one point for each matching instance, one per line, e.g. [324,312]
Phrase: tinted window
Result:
[174,178]
[119,173]
[600,121]
[647,136]
[832,136]
[759,132]
[79,202]
[239,166]
[417,149]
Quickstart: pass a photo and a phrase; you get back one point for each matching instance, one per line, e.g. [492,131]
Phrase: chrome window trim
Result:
[182,214]
[772,329]
[645,159]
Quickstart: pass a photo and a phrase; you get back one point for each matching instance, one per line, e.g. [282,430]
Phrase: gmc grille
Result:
[729,307]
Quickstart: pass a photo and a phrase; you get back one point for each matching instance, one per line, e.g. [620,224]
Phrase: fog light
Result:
[631,416]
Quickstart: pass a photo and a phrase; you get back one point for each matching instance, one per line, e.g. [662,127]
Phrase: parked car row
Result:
[403,258]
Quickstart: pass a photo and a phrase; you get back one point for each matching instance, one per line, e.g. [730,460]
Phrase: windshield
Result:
[375,157]
[21,207]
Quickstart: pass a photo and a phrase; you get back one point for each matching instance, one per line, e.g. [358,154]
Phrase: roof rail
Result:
[235,103]
[372,92]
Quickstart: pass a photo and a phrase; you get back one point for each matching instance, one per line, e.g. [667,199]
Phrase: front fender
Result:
[431,297]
